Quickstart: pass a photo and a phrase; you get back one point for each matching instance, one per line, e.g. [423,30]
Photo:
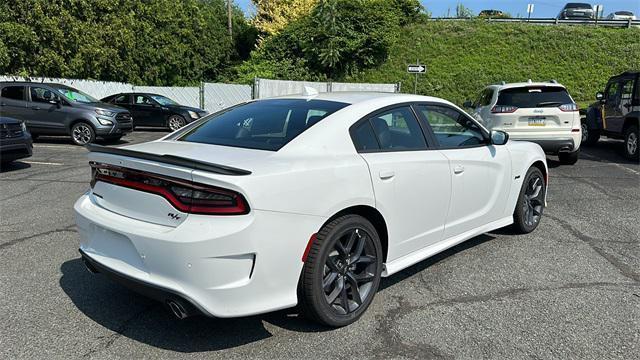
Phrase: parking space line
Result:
[57,146]
[42,163]
[593,157]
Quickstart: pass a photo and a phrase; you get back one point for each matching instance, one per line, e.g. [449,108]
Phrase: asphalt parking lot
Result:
[571,289]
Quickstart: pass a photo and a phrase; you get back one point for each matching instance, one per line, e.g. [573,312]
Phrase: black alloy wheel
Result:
[342,271]
[530,204]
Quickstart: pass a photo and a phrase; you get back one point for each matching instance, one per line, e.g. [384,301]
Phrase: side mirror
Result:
[599,96]
[468,104]
[499,137]
[55,102]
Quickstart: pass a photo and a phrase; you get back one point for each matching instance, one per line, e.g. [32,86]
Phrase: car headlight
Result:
[193,114]
[105,122]
[105,113]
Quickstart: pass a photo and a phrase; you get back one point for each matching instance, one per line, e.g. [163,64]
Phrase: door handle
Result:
[458,169]
[386,175]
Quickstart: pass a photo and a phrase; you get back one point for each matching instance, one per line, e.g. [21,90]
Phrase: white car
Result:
[540,112]
[309,198]
[621,15]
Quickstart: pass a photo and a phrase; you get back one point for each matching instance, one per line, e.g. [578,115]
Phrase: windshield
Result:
[628,13]
[163,100]
[76,95]
[531,97]
[264,124]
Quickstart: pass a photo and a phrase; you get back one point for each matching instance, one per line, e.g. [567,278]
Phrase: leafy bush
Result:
[159,42]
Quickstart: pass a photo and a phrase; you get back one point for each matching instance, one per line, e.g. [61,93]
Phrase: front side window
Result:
[42,95]
[612,93]
[534,97]
[13,92]
[142,100]
[264,124]
[451,128]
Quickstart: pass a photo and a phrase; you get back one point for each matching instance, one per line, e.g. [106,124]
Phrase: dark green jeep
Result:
[616,113]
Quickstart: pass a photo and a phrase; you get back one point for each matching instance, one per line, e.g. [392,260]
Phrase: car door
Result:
[13,102]
[480,172]
[146,111]
[612,113]
[45,112]
[411,181]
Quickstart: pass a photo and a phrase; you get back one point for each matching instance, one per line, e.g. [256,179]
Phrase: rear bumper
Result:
[555,146]
[222,266]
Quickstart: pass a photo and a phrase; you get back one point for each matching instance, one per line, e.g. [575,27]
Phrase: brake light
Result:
[569,107]
[503,109]
[184,195]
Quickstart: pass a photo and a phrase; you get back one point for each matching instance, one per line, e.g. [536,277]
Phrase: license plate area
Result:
[537,121]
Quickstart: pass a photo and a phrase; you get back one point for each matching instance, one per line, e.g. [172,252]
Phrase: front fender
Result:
[594,118]
[524,155]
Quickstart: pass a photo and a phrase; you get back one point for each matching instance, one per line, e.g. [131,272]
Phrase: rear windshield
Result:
[578,6]
[532,97]
[628,13]
[264,125]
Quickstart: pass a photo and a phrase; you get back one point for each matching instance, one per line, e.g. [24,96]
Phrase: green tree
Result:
[273,15]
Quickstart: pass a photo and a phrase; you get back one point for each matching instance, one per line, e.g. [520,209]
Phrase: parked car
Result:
[156,110]
[240,214]
[577,11]
[616,112]
[540,112]
[15,140]
[54,109]
[621,15]
[492,14]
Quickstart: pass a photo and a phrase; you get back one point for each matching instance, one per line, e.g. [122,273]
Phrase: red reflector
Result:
[308,248]
[184,195]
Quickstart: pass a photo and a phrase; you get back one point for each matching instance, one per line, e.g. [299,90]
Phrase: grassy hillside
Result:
[463,57]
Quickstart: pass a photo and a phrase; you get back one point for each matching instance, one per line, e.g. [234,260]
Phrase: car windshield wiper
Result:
[548,103]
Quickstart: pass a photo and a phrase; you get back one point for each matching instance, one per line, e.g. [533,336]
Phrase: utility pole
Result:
[229,23]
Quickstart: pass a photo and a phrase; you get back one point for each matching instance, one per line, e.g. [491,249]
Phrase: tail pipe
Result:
[178,309]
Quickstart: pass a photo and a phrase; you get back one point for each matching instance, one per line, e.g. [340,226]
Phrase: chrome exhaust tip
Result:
[177,309]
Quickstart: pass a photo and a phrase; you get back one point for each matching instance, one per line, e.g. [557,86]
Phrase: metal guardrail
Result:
[544,21]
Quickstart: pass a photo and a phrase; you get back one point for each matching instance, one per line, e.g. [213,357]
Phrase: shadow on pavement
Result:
[13,166]
[147,321]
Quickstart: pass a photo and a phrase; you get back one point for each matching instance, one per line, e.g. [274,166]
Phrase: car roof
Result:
[355,97]
[525,84]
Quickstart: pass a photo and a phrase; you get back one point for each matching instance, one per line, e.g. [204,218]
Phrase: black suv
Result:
[156,110]
[616,113]
[54,109]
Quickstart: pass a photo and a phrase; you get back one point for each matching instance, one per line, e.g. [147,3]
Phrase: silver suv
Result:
[54,109]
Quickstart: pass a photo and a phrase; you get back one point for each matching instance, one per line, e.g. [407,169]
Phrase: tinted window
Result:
[612,93]
[452,128]
[532,97]
[142,100]
[627,89]
[121,99]
[265,124]
[398,129]
[42,95]
[485,97]
[364,138]
[578,6]
[13,92]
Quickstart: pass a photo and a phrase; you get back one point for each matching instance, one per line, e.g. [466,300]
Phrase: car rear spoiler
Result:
[170,159]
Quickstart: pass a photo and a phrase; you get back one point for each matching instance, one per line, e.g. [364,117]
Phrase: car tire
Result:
[569,158]
[530,205]
[82,133]
[175,122]
[589,136]
[342,271]
[631,142]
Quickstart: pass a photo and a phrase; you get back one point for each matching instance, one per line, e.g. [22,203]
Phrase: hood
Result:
[7,120]
[185,108]
[101,105]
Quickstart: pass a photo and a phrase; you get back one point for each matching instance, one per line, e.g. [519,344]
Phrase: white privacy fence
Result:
[211,96]
[265,88]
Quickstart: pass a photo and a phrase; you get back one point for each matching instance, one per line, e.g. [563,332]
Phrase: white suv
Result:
[543,113]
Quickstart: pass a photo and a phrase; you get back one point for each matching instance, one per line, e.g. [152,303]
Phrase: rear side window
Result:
[264,124]
[533,97]
[395,129]
[121,99]
[13,92]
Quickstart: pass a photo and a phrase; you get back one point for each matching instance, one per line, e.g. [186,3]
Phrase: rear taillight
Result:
[184,195]
[503,109]
[569,107]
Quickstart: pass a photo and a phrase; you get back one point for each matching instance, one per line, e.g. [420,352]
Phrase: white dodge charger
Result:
[306,199]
